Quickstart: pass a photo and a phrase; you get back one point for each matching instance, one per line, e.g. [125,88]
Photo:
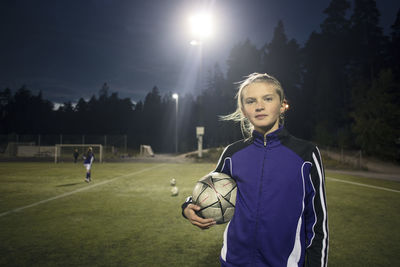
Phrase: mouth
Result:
[261,116]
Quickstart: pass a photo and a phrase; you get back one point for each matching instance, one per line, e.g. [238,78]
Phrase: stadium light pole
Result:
[176,97]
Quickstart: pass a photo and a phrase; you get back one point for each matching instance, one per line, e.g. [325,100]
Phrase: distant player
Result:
[89,158]
[76,155]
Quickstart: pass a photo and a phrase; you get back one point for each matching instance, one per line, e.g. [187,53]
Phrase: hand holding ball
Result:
[215,193]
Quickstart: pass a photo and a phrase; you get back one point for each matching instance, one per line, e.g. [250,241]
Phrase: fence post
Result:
[126,143]
[341,155]
[39,143]
[55,154]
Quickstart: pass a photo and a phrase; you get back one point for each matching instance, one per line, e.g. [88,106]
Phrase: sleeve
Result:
[224,163]
[185,204]
[221,167]
[316,216]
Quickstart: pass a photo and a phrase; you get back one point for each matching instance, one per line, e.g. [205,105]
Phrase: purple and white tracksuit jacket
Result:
[280,215]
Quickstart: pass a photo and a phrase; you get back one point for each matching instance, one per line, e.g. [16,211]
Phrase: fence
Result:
[10,145]
[353,158]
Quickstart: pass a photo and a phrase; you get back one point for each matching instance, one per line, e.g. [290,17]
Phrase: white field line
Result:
[365,185]
[77,191]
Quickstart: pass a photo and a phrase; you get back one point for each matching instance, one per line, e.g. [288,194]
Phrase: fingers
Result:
[203,226]
[194,207]
[196,220]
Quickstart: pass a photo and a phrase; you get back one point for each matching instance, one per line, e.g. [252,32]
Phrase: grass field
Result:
[126,217]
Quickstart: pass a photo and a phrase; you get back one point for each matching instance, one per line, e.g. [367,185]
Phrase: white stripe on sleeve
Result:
[322,199]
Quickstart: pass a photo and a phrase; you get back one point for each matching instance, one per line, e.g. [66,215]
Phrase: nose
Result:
[260,106]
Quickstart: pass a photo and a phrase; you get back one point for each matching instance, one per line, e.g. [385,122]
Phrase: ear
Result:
[284,106]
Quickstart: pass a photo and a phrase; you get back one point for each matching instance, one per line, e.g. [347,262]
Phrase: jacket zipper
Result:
[259,194]
[265,140]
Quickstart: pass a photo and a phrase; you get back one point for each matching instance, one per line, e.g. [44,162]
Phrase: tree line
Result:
[343,88]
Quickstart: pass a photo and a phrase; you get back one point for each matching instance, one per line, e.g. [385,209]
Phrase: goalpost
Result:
[145,150]
[64,152]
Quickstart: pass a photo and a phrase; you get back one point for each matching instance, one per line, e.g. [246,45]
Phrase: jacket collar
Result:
[271,139]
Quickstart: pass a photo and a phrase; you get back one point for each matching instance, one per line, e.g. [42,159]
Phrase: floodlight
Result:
[200,26]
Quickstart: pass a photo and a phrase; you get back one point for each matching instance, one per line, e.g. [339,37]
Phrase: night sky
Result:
[68,49]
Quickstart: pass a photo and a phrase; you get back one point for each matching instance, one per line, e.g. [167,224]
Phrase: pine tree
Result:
[244,59]
[367,39]
[394,49]
[281,59]
[377,117]
[336,22]
[326,88]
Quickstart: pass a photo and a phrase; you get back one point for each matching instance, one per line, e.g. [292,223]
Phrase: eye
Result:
[249,101]
[268,99]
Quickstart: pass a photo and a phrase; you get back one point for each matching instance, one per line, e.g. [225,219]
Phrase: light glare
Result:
[201,26]
[194,42]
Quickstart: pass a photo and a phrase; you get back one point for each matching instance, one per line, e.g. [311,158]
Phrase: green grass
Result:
[134,221]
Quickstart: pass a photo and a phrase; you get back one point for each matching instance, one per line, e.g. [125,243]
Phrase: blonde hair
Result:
[238,116]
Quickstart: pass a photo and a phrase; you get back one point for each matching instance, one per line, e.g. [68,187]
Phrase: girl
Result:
[89,157]
[280,215]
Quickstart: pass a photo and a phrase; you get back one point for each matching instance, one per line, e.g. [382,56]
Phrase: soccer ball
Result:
[173,182]
[174,191]
[215,193]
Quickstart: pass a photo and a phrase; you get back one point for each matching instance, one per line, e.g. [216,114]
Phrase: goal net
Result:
[66,152]
[145,150]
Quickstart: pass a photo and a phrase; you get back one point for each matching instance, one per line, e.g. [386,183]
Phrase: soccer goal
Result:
[65,152]
[145,150]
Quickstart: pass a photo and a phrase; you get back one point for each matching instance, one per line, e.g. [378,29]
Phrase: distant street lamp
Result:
[176,97]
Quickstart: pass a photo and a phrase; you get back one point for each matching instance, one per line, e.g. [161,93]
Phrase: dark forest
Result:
[343,88]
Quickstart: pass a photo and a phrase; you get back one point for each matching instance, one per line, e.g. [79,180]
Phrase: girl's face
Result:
[262,106]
